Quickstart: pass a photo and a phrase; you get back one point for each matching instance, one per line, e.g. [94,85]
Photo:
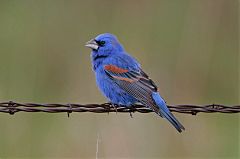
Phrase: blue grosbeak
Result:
[121,79]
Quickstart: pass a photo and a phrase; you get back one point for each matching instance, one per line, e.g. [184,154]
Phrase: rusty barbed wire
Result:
[13,107]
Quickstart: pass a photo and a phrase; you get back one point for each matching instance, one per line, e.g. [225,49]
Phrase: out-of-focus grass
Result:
[190,48]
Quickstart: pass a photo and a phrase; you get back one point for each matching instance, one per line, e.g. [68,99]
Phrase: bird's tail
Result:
[165,113]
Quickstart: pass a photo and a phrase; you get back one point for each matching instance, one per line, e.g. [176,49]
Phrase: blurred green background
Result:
[189,47]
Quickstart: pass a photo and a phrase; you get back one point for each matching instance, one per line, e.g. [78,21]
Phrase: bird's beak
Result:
[92,44]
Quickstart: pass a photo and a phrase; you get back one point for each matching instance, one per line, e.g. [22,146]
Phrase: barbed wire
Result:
[13,107]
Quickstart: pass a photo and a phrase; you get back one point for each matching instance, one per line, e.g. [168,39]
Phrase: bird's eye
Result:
[102,43]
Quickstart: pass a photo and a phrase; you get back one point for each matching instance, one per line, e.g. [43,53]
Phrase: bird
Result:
[121,79]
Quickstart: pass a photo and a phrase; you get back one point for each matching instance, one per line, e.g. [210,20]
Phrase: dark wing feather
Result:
[136,83]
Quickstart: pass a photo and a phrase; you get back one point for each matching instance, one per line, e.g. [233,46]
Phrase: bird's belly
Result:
[113,92]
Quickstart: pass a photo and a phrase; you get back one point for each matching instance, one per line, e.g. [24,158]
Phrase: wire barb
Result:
[69,110]
[14,107]
[11,107]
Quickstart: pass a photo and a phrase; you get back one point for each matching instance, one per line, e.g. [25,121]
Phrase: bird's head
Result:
[104,45]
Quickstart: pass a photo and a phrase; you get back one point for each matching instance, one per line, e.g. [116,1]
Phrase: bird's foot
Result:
[114,107]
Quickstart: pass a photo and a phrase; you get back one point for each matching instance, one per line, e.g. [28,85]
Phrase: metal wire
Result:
[13,107]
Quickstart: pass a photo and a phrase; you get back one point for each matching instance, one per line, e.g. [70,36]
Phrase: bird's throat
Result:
[97,60]
[99,57]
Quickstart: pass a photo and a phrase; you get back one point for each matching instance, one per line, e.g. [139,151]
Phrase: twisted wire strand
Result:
[13,107]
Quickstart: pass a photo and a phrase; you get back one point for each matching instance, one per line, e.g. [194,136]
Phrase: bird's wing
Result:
[136,83]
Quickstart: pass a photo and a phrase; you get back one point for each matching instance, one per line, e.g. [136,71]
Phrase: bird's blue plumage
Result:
[120,78]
